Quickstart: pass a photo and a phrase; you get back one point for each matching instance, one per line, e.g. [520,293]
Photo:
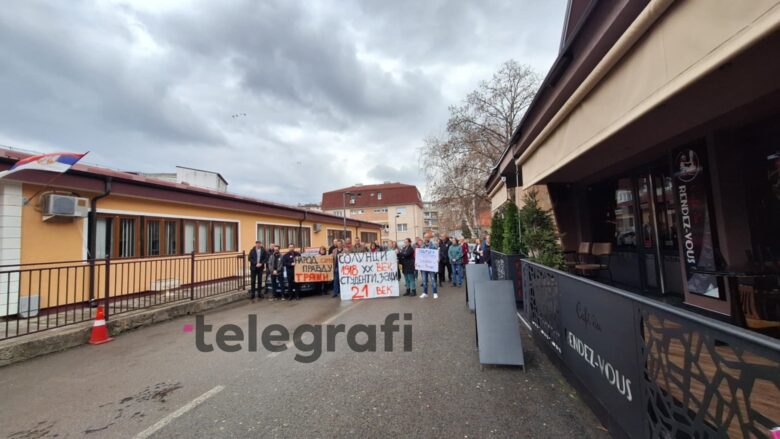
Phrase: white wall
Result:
[10,245]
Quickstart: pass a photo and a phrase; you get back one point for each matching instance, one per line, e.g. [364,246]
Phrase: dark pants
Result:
[275,286]
[445,265]
[257,281]
[292,291]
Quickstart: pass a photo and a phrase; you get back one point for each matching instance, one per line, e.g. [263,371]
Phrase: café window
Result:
[368,236]
[625,226]
[283,236]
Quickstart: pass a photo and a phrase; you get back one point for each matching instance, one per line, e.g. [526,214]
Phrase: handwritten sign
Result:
[426,259]
[368,275]
[313,268]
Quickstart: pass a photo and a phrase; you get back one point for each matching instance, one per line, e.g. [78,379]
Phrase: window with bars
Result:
[283,236]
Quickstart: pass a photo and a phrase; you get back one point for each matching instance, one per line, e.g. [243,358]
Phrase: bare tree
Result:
[457,164]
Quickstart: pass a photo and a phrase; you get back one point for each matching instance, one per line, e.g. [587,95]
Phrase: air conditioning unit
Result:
[317,227]
[54,205]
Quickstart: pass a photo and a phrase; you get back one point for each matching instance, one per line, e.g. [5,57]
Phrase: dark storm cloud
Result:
[334,92]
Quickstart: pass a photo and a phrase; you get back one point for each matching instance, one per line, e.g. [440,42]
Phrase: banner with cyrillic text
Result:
[368,275]
[313,268]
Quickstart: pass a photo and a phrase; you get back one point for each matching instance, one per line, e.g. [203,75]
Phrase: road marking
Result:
[524,322]
[291,343]
[184,409]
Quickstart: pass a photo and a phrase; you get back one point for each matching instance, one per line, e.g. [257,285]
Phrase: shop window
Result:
[171,238]
[625,228]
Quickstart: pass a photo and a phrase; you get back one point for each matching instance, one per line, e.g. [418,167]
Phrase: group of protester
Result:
[453,255]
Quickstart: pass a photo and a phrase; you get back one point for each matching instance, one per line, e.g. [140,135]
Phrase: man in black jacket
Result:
[258,257]
[444,258]
[288,262]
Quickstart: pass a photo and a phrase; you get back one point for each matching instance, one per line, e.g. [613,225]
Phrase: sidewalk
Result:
[30,344]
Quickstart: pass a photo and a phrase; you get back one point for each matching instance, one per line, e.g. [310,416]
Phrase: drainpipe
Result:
[517,202]
[92,237]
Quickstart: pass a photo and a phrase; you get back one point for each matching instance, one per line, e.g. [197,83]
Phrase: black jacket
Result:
[406,259]
[253,259]
[288,260]
[444,248]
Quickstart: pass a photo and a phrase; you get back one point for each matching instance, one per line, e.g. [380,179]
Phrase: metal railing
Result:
[42,296]
[650,369]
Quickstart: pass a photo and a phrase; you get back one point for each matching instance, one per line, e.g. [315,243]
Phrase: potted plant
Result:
[506,252]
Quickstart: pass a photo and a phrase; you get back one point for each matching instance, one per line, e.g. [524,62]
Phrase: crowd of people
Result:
[454,254]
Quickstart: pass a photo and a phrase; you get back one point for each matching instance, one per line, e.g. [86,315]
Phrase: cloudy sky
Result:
[334,92]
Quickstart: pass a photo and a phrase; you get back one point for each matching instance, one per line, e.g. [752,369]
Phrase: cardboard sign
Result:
[426,259]
[368,275]
[313,268]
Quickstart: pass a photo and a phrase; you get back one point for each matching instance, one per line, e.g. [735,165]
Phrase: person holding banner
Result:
[335,253]
[406,261]
[429,276]
[323,285]
[288,261]
[455,253]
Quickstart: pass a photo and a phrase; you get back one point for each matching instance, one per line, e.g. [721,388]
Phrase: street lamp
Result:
[397,215]
[344,212]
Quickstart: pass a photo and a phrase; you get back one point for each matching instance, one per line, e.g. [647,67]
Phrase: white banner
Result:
[426,259]
[368,275]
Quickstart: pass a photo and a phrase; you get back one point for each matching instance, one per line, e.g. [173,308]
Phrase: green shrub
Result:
[539,237]
[511,244]
[497,233]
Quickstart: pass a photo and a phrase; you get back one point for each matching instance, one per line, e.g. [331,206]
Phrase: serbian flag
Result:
[54,162]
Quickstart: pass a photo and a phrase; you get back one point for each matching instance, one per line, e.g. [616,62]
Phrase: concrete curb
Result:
[46,342]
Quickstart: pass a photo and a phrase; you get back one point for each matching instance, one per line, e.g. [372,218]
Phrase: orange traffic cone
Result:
[99,329]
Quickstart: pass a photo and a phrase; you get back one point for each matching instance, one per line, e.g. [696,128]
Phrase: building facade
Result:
[431,217]
[656,131]
[397,207]
[128,217]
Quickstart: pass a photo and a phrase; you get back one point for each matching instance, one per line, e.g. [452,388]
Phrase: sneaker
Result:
[423,295]
[435,296]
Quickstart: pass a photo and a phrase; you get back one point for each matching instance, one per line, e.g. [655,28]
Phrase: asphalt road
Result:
[155,383]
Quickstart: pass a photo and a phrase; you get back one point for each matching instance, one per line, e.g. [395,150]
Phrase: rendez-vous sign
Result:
[608,372]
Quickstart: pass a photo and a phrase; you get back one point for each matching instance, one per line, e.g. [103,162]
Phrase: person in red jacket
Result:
[465,247]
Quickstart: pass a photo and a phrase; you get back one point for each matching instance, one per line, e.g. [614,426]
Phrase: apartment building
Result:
[398,207]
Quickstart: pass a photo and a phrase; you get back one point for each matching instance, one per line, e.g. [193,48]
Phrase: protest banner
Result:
[313,268]
[368,275]
[426,259]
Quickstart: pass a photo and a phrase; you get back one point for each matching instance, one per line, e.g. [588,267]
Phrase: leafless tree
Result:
[458,163]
